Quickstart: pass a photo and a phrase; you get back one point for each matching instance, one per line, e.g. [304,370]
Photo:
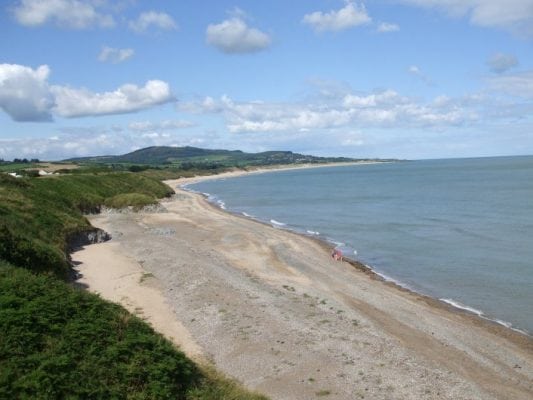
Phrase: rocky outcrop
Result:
[84,238]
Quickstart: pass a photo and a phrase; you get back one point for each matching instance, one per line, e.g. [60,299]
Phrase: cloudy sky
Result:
[381,78]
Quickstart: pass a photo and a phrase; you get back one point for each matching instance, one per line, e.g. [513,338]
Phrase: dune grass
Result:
[135,200]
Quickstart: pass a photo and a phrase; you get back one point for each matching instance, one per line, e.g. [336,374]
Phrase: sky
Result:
[411,79]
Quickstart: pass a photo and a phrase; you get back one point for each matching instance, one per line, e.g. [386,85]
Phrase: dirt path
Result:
[272,309]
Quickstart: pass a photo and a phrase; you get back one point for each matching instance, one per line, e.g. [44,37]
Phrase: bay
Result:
[460,230]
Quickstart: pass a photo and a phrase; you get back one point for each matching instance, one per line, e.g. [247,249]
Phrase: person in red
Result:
[336,255]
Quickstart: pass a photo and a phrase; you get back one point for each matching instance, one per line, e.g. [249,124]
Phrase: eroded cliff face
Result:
[84,238]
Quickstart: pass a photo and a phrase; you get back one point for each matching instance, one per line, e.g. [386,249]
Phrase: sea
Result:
[459,230]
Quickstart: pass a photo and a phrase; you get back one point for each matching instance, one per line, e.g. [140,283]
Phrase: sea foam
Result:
[460,306]
[277,223]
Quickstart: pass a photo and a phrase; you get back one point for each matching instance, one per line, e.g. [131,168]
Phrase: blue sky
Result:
[383,78]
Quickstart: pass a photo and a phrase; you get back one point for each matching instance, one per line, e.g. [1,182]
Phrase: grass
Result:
[135,200]
[176,173]
[39,215]
[217,387]
[15,167]
[196,158]
[58,341]
[145,276]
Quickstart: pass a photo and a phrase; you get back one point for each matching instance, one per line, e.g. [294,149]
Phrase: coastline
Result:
[330,245]
[410,334]
[268,169]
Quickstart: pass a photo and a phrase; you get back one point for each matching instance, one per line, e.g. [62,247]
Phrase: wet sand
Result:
[272,309]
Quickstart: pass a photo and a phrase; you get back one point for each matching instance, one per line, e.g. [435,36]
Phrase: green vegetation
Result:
[135,200]
[39,215]
[163,162]
[193,158]
[16,167]
[58,341]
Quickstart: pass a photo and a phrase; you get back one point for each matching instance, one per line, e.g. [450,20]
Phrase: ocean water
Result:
[460,230]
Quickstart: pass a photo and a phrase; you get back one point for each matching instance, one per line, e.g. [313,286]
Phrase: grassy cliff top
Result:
[58,341]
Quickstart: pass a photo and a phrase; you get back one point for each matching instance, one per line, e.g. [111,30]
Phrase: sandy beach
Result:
[273,310]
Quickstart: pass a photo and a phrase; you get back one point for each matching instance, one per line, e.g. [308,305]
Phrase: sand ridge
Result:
[272,309]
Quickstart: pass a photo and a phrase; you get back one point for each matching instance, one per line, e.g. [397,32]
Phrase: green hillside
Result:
[196,157]
[58,341]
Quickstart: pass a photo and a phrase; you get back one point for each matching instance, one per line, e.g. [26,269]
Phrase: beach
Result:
[273,310]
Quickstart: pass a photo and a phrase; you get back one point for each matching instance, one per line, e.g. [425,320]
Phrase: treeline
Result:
[58,341]
[20,161]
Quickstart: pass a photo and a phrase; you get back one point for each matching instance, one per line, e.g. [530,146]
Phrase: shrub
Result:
[135,200]
[31,254]
[60,342]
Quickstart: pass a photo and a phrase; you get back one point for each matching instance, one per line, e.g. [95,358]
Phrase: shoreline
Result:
[447,304]
[270,308]
[268,169]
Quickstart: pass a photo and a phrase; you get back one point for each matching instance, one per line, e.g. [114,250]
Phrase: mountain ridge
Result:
[165,155]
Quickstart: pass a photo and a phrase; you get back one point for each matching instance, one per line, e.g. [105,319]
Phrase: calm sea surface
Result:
[459,230]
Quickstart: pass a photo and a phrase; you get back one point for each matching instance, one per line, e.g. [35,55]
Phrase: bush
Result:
[32,253]
[60,342]
[138,168]
[38,215]
[135,200]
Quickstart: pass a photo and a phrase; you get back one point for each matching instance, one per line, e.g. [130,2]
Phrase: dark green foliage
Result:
[9,181]
[32,173]
[200,165]
[31,253]
[18,166]
[193,157]
[138,168]
[58,342]
[164,162]
[38,215]
[135,200]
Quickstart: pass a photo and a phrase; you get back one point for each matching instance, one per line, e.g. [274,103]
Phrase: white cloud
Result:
[382,109]
[26,95]
[59,147]
[413,69]
[24,92]
[235,36]
[500,63]
[372,100]
[74,14]
[417,72]
[153,19]
[147,126]
[127,98]
[518,84]
[98,140]
[349,16]
[513,15]
[386,27]
[115,56]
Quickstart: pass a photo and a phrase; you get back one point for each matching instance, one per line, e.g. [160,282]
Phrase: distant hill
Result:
[183,156]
